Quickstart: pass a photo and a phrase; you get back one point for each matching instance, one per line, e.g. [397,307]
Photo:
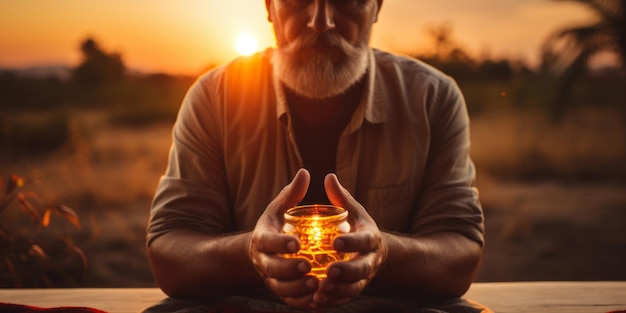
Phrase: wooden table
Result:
[511,297]
[571,297]
[111,300]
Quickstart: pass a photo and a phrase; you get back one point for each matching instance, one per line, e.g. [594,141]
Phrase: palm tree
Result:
[570,49]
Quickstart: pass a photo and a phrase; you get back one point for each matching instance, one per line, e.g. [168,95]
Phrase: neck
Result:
[324,111]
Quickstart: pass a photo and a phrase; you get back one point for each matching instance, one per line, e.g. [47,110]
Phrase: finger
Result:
[298,187]
[331,294]
[342,290]
[281,268]
[302,303]
[342,287]
[323,300]
[273,242]
[338,195]
[293,193]
[296,293]
[361,267]
[362,240]
[286,268]
[298,288]
[335,298]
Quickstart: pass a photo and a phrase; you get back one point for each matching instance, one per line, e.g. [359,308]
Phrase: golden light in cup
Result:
[316,226]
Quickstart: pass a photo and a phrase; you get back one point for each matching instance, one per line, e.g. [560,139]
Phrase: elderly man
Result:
[323,118]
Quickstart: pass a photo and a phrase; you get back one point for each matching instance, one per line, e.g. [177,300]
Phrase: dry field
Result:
[538,227]
[554,195]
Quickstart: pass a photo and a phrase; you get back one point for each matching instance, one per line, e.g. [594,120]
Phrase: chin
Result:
[320,75]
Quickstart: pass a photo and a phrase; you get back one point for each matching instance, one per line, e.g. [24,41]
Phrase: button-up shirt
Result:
[404,155]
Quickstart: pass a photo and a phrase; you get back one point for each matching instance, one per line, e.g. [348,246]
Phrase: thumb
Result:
[339,196]
[294,192]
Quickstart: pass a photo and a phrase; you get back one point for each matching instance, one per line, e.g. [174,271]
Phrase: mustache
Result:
[319,40]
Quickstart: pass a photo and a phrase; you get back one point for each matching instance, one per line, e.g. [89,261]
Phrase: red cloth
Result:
[22,308]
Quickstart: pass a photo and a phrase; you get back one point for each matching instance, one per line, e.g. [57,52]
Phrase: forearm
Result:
[438,265]
[189,264]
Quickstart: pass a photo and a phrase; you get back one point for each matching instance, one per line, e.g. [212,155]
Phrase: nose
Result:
[322,19]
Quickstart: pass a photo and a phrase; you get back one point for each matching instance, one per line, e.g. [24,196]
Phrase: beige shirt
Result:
[404,154]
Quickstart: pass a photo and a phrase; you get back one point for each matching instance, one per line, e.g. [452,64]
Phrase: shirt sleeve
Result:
[449,200]
[193,194]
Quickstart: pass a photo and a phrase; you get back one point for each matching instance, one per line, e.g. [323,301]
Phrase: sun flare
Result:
[246,44]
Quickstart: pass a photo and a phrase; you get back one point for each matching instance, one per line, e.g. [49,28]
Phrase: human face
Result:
[351,19]
[322,44]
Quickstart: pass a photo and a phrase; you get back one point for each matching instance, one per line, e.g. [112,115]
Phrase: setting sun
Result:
[246,44]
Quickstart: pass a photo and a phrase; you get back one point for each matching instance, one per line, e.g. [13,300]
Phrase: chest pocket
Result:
[390,206]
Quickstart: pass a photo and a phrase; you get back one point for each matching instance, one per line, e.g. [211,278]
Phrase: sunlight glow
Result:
[186,36]
[246,44]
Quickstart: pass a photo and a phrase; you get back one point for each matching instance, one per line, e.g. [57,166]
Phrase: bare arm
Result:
[441,252]
[189,264]
[411,267]
[437,265]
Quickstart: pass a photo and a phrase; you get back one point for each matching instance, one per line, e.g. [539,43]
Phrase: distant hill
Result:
[42,71]
[64,72]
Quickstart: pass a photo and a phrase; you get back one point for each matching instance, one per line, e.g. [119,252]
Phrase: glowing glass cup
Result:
[316,226]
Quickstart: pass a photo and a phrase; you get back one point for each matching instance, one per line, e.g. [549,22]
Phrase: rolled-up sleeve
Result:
[192,194]
[449,200]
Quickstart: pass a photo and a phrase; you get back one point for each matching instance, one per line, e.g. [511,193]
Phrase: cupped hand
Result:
[347,279]
[287,277]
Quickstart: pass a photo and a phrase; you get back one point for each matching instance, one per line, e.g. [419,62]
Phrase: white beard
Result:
[321,77]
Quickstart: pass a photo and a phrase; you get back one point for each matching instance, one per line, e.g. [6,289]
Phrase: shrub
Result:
[29,256]
[32,135]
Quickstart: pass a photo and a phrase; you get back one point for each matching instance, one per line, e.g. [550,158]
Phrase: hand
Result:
[287,277]
[348,279]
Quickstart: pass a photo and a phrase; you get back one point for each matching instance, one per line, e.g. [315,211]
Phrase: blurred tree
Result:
[487,83]
[31,93]
[98,67]
[496,69]
[441,35]
[448,56]
[569,50]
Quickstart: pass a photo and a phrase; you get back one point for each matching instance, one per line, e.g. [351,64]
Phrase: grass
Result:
[588,144]
[536,179]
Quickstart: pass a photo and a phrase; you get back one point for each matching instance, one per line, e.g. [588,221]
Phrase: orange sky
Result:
[185,36]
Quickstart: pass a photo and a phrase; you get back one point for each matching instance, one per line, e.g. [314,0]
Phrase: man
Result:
[322,118]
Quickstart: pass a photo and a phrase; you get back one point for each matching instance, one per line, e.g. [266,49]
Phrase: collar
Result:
[371,108]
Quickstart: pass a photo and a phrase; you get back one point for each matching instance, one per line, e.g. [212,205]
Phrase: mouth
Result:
[329,51]
[323,45]
[323,42]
